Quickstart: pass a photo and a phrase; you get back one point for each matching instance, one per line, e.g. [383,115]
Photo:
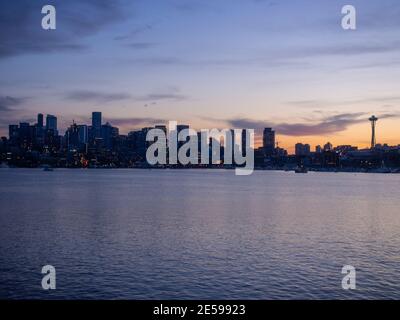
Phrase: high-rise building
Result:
[269,141]
[302,149]
[108,133]
[13,133]
[96,124]
[72,137]
[51,123]
[40,120]
[328,146]
[39,134]
[83,134]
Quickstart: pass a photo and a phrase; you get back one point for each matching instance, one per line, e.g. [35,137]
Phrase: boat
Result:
[381,170]
[47,168]
[301,169]
[3,165]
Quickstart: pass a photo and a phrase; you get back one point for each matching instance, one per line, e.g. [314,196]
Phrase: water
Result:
[198,234]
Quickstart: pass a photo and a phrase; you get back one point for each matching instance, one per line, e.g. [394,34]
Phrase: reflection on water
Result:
[180,234]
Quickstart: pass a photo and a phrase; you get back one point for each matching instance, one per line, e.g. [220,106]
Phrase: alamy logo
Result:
[49,20]
[49,280]
[349,280]
[349,21]
[189,147]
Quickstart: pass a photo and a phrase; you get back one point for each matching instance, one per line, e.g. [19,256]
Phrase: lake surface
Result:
[198,234]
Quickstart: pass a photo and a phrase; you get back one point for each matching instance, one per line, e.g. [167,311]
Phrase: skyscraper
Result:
[269,141]
[51,123]
[302,149]
[328,146]
[72,136]
[39,134]
[40,120]
[13,133]
[83,134]
[108,134]
[96,124]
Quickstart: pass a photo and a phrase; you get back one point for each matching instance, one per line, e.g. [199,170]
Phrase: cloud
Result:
[195,6]
[140,45]
[135,122]
[97,97]
[347,49]
[134,32]
[270,62]
[169,93]
[324,126]
[8,113]
[102,97]
[332,103]
[162,96]
[7,103]
[21,32]
[389,116]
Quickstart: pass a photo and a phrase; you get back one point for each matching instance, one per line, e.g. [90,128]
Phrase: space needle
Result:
[373,121]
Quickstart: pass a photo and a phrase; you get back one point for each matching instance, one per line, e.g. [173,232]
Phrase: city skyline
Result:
[247,64]
[267,139]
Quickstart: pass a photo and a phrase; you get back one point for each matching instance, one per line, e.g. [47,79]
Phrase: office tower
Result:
[137,142]
[25,135]
[13,133]
[83,134]
[302,149]
[51,123]
[269,141]
[108,133]
[40,120]
[307,149]
[39,134]
[72,137]
[96,124]
[328,146]
[298,149]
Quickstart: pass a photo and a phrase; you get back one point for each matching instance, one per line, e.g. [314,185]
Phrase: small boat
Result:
[381,170]
[47,168]
[301,169]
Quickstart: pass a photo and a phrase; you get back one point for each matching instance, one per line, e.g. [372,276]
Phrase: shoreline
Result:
[291,170]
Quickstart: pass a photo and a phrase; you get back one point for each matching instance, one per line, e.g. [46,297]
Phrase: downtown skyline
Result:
[247,64]
[84,132]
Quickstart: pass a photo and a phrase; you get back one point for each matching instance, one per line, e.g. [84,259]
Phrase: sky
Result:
[285,64]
